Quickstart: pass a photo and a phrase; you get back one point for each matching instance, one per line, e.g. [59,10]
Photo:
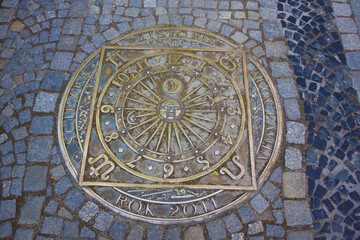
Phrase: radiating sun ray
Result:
[145,96]
[201,110]
[147,129]
[185,134]
[154,133]
[197,104]
[192,130]
[145,114]
[191,81]
[177,136]
[199,117]
[145,122]
[140,109]
[196,98]
[193,91]
[142,102]
[152,92]
[196,124]
[160,137]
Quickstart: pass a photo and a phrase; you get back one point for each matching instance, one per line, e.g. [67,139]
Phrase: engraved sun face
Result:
[171,110]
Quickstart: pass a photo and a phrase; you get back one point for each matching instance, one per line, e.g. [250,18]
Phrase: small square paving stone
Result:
[39,148]
[71,229]
[62,186]
[297,213]
[346,25]
[51,207]
[246,214]
[6,15]
[293,158]
[341,9]
[295,132]
[87,233]
[30,212]
[136,233]
[216,229]
[5,228]
[259,203]
[270,191]
[278,215]
[275,49]
[64,214]
[353,59]
[67,43]
[42,125]
[292,109]
[194,233]
[154,234]
[57,172]
[24,234]
[74,199]
[280,69]
[255,228]
[78,8]
[239,37]
[7,209]
[35,178]
[45,102]
[88,211]
[52,226]
[300,235]
[173,234]
[72,26]
[118,230]
[232,223]
[272,29]
[103,221]
[351,41]
[274,231]
[61,61]
[294,184]
[276,176]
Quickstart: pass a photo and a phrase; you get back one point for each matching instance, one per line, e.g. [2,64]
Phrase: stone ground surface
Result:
[310,48]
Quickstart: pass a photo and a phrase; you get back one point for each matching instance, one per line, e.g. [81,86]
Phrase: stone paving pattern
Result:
[310,48]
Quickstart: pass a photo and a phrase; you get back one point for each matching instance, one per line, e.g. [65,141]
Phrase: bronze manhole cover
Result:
[170,125]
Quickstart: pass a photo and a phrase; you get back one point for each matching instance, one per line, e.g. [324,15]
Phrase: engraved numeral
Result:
[235,160]
[168,169]
[175,57]
[130,164]
[140,64]
[200,159]
[227,63]
[112,136]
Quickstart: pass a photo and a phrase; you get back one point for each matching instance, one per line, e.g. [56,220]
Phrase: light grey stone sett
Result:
[280,69]
[292,109]
[293,158]
[341,9]
[297,213]
[294,184]
[255,228]
[275,49]
[295,132]
[346,25]
[239,37]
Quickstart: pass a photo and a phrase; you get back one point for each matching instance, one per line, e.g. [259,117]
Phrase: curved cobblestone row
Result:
[319,60]
[43,42]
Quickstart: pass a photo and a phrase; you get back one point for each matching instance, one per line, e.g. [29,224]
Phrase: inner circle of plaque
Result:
[166,115]
[170,125]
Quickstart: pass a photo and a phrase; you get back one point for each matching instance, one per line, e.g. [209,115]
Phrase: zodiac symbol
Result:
[131,118]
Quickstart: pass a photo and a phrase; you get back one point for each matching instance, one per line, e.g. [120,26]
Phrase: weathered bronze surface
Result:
[170,125]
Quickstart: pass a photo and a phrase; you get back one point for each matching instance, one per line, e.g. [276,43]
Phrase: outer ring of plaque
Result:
[205,216]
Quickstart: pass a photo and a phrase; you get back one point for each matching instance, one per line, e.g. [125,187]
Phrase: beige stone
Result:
[294,184]
[17,26]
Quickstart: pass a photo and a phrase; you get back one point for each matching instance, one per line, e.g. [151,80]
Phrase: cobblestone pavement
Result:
[311,50]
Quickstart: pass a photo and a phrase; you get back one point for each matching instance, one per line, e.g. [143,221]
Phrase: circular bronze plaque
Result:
[170,125]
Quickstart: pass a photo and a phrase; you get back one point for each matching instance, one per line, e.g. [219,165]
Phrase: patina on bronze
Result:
[170,125]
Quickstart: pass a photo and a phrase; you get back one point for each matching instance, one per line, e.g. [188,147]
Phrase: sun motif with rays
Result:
[169,114]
